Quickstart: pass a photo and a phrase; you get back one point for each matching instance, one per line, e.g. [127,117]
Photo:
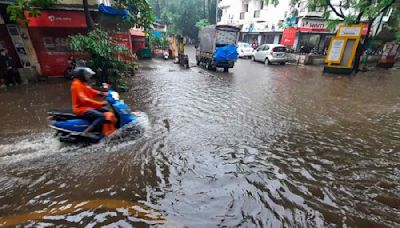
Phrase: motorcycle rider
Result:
[84,101]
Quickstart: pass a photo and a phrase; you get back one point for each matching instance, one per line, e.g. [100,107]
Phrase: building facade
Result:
[295,25]
[259,22]
[43,43]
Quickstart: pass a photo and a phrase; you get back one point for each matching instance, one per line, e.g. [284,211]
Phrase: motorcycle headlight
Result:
[115,96]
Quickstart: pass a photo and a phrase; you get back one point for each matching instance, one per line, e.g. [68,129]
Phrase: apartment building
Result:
[259,22]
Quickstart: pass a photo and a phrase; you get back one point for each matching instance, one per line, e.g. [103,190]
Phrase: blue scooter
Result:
[70,126]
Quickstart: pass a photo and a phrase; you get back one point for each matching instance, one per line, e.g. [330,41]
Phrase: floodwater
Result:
[261,146]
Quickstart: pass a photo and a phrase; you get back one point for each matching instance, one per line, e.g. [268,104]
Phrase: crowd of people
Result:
[8,73]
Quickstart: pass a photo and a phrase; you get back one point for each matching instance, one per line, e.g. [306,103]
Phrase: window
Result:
[245,8]
[266,48]
[241,15]
[257,14]
[246,45]
[279,49]
[262,4]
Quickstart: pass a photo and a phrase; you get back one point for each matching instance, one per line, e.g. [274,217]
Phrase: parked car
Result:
[270,53]
[245,50]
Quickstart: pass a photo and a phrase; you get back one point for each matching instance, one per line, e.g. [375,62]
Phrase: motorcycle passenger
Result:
[84,101]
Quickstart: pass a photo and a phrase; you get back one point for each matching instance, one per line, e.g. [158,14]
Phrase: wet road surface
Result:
[261,146]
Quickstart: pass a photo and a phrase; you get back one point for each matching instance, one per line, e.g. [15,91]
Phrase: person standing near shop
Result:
[3,67]
[8,74]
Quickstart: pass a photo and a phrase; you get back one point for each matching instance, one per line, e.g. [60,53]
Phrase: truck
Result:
[217,46]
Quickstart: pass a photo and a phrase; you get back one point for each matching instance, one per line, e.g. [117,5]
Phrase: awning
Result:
[136,32]
[58,19]
[112,11]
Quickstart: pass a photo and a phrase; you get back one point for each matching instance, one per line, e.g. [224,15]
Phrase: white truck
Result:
[212,37]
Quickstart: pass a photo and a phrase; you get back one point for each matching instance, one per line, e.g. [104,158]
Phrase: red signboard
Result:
[59,19]
[51,48]
[288,36]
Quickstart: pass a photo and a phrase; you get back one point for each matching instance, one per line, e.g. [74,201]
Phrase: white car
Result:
[244,50]
[270,53]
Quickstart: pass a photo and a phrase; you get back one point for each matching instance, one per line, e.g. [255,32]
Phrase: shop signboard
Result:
[390,51]
[350,31]
[63,19]
[288,37]
[312,23]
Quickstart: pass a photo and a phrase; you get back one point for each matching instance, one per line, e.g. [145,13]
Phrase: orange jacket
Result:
[83,97]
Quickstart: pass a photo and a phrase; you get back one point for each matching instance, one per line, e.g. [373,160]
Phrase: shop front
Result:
[138,41]
[49,34]
[305,39]
[7,43]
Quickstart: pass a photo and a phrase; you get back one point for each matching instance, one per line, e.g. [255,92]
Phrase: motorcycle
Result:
[69,126]
[166,55]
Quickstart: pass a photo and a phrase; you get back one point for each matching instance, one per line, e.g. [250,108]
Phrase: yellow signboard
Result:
[343,46]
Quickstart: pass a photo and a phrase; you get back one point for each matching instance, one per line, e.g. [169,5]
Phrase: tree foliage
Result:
[182,15]
[352,11]
[140,13]
[202,23]
[104,52]
[32,7]
[394,21]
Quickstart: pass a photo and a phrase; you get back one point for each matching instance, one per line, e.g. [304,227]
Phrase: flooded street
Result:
[260,146]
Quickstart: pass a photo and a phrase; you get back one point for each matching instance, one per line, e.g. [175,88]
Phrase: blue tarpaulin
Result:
[110,10]
[226,53]
[157,34]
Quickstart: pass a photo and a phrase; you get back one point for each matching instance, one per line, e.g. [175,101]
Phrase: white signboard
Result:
[335,52]
[315,24]
[350,31]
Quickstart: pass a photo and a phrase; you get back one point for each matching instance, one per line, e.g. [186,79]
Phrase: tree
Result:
[18,8]
[183,15]
[104,52]
[140,12]
[202,23]
[394,22]
[357,11]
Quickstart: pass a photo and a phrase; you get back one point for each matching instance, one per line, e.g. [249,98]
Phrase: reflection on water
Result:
[81,210]
[274,146]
